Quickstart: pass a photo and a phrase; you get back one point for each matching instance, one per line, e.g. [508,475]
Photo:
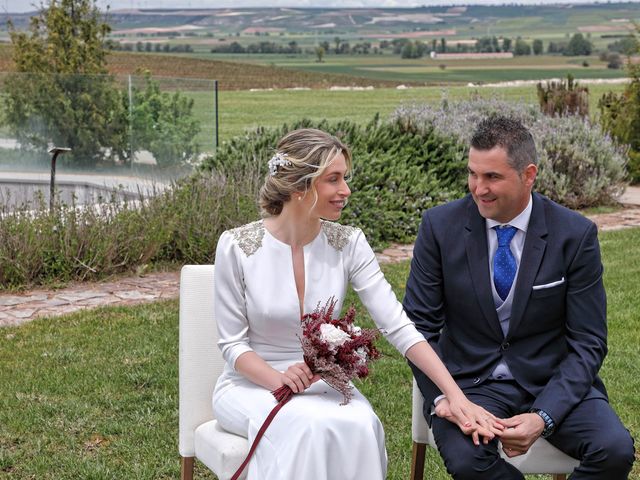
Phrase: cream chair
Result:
[200,364]
[542,457]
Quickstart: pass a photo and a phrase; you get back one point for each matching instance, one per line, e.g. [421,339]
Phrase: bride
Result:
[270,272]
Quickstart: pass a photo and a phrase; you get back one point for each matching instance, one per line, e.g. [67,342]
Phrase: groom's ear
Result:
[529,174]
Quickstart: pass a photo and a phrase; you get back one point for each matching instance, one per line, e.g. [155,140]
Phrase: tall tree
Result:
[538,48]
[62,94]
[65,37]
[578,45]
[521,47]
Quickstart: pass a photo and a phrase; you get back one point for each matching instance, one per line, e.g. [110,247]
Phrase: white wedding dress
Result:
[257,309]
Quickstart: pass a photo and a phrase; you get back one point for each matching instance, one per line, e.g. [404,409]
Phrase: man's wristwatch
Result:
[549,424]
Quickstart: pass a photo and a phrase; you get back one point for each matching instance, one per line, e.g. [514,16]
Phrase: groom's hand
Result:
[520,433]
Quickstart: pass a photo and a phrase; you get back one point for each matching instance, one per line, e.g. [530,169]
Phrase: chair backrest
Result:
[419,428]
[200,360]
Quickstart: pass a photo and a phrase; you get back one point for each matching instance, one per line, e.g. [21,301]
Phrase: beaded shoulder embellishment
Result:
[249,237]
[338,235]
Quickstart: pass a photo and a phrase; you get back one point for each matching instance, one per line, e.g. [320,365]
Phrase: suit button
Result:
[504,346]
[476,380]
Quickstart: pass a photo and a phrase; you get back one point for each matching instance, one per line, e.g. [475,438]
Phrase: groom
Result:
[506,285]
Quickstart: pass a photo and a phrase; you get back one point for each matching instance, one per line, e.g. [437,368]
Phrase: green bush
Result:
[563,98]
[398,172]
[181,224]
[620,116]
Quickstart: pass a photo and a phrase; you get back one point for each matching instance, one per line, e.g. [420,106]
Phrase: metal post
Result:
[215,85]
[52,184]
[130,123]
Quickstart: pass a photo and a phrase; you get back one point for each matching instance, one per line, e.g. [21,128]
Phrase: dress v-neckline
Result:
[300,299]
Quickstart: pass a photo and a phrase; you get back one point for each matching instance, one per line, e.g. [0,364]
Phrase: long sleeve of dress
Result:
[377,296]
[230,304]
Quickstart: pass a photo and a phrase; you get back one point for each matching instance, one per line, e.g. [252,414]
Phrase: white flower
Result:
[357,331]
[362,353]
[333,336]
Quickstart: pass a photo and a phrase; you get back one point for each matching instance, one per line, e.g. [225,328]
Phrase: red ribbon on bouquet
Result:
[283,395]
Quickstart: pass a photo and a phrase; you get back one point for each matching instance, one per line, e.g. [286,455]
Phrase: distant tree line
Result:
[148,47]
[261,47]
[576,45]
[338,47]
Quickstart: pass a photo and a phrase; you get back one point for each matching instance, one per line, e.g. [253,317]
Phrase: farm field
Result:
[427,70]
[202,30]
[206,28]
[231,75]
[242,109]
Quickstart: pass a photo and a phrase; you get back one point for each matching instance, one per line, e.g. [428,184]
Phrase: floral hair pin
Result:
[278,160]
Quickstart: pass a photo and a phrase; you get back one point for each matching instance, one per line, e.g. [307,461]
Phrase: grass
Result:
[93,395]
[426,70]
[241,110]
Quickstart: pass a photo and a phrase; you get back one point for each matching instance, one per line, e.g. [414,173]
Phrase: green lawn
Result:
[241,110]
[94,395]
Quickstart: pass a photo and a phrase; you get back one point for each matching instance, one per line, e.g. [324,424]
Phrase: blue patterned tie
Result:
[504,263]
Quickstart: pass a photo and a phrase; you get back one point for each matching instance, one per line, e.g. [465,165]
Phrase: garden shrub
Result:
[620,115]
[181,224]
[579,165]
[563,98]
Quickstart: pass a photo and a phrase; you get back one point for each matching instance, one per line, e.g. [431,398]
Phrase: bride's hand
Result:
[298,377]
[472,419]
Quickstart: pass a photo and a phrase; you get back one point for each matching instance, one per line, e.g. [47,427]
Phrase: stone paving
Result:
[16,309]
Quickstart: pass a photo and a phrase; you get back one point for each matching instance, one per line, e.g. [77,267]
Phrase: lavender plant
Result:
[580,165]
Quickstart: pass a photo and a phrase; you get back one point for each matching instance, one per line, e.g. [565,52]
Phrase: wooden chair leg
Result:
[186,468]
[417,461]
[559,476]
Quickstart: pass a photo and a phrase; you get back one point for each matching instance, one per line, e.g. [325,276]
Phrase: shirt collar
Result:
[521,222]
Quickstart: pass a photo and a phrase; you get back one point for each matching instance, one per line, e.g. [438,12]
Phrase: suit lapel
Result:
[534,246]
[477,251]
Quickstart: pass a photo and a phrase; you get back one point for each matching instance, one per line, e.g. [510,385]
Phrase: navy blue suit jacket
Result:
[556,341]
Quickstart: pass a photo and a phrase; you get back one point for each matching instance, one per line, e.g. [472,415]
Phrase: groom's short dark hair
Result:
[510,134]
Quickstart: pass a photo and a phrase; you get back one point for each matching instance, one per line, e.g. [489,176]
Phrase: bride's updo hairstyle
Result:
[300,158]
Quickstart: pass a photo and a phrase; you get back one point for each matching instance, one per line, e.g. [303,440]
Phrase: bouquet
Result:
[333,348]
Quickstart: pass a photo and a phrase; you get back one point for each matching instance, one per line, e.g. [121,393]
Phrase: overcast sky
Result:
[28,5]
